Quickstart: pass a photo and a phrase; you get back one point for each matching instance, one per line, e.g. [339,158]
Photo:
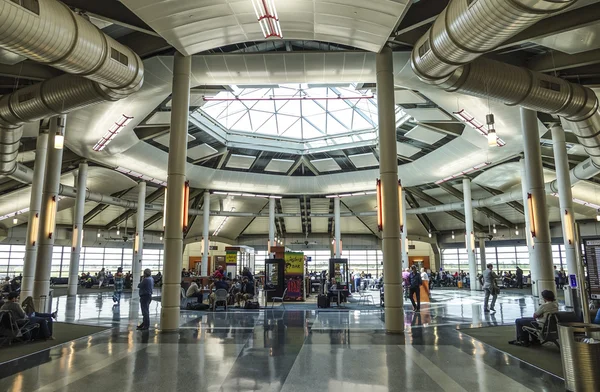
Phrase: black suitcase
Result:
[323,301]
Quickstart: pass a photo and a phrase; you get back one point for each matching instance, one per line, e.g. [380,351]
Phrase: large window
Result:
[503,257]
[92,259]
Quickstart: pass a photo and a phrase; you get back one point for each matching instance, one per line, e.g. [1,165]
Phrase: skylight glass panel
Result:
[294,110]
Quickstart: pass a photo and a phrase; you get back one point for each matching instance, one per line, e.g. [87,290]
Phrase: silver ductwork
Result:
[49,32]
[468,28]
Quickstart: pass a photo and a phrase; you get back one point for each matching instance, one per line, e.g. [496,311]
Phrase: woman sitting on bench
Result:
[539,318]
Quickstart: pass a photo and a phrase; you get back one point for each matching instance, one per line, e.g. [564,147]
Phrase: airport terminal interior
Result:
[309,195]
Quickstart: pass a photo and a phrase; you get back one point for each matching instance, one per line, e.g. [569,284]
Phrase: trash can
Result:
[580,352]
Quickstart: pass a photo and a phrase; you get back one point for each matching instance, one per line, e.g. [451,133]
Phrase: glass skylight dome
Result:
[297,119]
[294,111]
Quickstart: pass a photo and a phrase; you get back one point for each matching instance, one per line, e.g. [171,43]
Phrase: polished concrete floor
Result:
[277,350]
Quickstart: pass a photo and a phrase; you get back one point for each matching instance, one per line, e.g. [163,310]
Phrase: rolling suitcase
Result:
[323,301]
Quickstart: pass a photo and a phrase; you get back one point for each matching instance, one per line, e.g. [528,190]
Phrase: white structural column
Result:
[77,229]
[136,267]
[565,196]
[567,215]
[470,234]
[338,229]
[388,168]
[539,224]
[532,263]
[33,224]
[404,234]
[205,233]
[272,222]
[169,320]
[47,231]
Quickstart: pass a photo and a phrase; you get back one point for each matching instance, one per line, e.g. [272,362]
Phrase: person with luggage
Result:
[12,305]
[246,293]
[414,281]
[101,277]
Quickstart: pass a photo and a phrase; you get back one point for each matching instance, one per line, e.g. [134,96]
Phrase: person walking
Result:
[119,284]
[146,286]
[490,287]
[415,282]
[101,277]
[519,274]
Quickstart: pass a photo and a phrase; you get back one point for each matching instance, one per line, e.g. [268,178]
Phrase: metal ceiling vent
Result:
[444,56]
[98,68]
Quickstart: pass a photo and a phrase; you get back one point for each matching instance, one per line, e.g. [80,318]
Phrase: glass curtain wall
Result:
[504,258]
[92,260]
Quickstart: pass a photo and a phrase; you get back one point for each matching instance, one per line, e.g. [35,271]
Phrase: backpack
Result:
[251,305]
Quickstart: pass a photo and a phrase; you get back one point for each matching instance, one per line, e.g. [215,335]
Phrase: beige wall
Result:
[423,249]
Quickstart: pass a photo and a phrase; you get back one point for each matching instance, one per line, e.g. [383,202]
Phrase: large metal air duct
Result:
[468,28]
[49,32]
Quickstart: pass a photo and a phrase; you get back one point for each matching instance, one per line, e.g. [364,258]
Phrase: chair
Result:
[365,297]
[10,331]
[280,299]
[549,331]
[220,298]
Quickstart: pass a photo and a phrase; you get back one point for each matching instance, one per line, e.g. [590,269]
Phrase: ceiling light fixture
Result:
[453,235]
[112,132]
[59,139]
[118,232]
[598,215]
[494,229]
[516,230]
[491,136]
[478,126]
[266,14]
[15,220]
[429,234]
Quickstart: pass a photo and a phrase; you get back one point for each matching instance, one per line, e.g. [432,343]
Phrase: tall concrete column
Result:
[47,231]
[532,263]
[169,320]
[567,215]
[539,224]
[470,234]
[388,169]
[136,267]
[77,229]
[33,224]
[483,261]
[404,233]
[338,229]
[205,233]
[272,222]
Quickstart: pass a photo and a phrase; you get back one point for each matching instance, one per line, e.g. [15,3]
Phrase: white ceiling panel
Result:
[574,41]
[326,165]
[319,225]
[194,26]
[164,139]
[406,150]
[240,161]
[424,134]
[429,114]
[403,97]
[291,206]
[258,226]
[201,151]
[364,160]
[279,165]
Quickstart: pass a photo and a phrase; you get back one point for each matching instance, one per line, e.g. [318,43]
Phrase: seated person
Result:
[247,291]
[219,283]
[539,318]
[12,305]
[194,291]
[219,272]
[5,285]
[234,290]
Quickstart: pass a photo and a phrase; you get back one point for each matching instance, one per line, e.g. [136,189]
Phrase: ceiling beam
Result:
[112,9]
[460,196]
[559,23]
[153,219]
[130,212]
[556,61]
[421,14]
[309,166]
[101,207]
[435,202]
[424,219]
[196,204]
[515,205]
[220,151]
[29,70]
[360,219]
[148,133]
[145,45]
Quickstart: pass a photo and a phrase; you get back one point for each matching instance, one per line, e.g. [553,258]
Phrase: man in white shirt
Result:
[194,291]
[539,319]
[490,288]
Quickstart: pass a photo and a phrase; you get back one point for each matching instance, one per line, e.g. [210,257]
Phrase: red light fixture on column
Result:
[379,207]
[186,204]
[267,18]
[531,214]
[400,206]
